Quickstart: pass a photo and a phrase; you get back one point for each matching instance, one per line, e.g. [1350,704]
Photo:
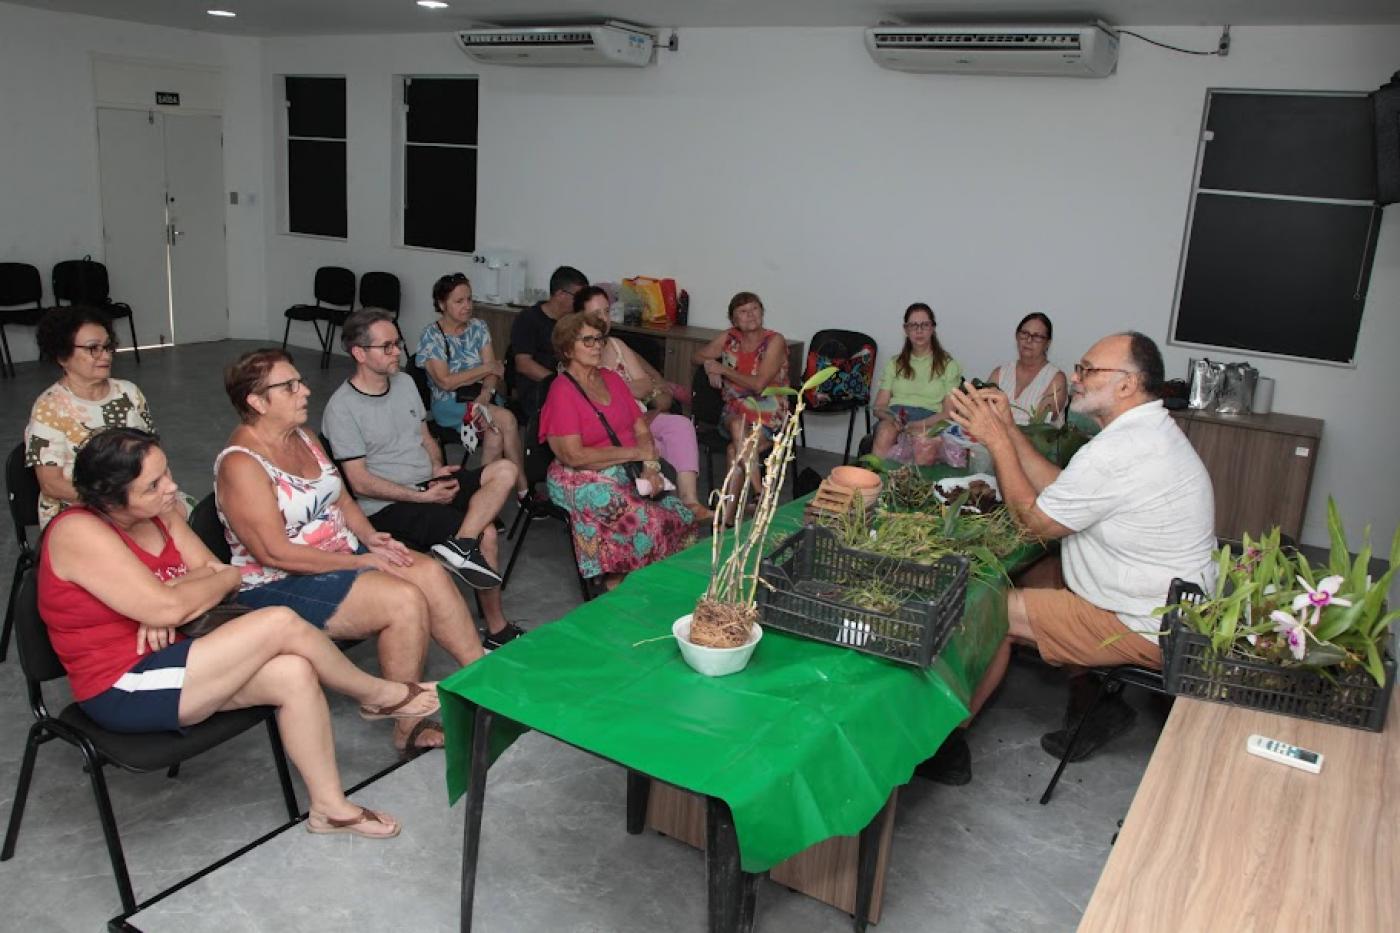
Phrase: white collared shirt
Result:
[1142,509]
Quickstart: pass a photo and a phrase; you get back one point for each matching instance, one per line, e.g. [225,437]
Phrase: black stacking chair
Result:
[1113,679]
[445,437]
[536,504]
[22,489]
[841,345]
[707,413]
[85,282]
[380,290]
[204,522]
[334,288]
[137,752]
[20,286]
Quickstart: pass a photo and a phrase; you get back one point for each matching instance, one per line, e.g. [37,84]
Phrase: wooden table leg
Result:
[638,795]
[865,871]
[476,796]
[733,892]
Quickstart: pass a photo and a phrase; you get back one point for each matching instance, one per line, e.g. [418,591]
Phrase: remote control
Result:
[1284,754]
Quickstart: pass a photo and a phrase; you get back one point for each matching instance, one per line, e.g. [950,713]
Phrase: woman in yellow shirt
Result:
[914,384]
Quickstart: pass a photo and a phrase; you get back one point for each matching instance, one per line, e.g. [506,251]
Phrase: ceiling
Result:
[328,17]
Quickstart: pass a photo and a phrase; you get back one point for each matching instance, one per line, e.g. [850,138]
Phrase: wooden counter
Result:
[1260,465]
[677,345]
[1218,839]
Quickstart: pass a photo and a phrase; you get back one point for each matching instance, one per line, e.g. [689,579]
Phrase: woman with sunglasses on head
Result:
[1037,389]
[456,352]
[606,474]
[120,572]
[85,398]
[298,542]
[915,384]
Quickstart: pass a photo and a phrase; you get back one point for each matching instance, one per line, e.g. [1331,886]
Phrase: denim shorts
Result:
[912,412]
[147,697]
[313,596]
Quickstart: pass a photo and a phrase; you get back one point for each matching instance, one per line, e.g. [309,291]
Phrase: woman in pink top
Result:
[594,429]
[119,573]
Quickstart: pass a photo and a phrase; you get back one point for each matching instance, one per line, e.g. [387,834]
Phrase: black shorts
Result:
[420,525]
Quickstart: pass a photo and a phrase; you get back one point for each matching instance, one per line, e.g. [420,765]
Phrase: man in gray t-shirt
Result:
[376,428]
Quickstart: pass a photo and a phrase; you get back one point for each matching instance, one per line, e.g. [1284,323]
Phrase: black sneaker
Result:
[1110,719]
[464,558]
[951,765]
[494,640]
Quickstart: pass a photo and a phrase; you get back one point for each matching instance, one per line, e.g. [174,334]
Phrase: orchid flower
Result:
[1320,598]
[1292,629]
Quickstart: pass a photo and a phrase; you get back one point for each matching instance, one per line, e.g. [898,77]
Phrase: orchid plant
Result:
[1272,604]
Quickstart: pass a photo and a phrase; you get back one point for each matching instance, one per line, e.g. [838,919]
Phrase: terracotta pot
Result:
[853,477]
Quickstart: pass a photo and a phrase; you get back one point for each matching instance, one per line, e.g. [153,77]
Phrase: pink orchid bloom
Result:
[1318,599]
[1292,629]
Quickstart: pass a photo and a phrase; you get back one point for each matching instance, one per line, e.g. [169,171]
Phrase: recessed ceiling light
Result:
[432,4]
[220,13]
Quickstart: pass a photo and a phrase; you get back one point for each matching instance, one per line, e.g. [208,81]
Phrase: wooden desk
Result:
[1218,839]
[679,343]
[1260,465]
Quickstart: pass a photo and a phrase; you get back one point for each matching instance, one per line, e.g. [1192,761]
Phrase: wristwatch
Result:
[652,465]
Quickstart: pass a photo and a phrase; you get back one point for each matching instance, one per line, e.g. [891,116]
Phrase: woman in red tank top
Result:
[119,575]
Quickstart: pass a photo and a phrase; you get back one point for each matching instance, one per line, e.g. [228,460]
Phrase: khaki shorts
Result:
[1070,630]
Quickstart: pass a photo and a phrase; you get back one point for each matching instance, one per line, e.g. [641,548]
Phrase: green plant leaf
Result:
[1339,559]
[1374,667]
[778,390]
[1323,655]
[1337,620]
[818,377]
[1395,549]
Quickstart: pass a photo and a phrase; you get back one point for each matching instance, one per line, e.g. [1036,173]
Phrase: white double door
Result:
[163,222]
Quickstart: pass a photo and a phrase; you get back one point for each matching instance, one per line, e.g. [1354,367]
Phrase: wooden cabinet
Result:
[678,344]
[1260,465]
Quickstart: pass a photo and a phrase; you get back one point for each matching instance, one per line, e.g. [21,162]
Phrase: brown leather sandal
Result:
[355,825]
[411,747]
[397,710]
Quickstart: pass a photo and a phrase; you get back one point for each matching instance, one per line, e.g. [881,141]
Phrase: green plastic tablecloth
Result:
[805,743]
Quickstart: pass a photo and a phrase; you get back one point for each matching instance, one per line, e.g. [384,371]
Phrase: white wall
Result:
[785,162]
[50,208]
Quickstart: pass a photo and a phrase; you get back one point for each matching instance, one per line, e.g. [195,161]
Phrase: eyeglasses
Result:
[97,349]
[593,340]
[293,386]
[1030,337]
[393,346]
[1081,371]
[920,325]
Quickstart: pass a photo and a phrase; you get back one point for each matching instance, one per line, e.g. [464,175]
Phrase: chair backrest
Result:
[335,286]
[852,353]
[344,480]
[22,490]
[204,522]
[537,453]
[707,405]
[20,285]
[82,282]
[37,658]
[380,290]
[419,375]
[647,347]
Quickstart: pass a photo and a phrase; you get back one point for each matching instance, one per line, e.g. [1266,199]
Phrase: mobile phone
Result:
[434,479]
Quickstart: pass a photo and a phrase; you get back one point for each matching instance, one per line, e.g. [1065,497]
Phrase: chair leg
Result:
[520,517]
[326,350]
[109,829]
[850,431]
[286,332]
[519,545]
[26,772]
[7,364]
[173,771]
[21,565]
[867,417]
[1073,737]
[135,344]
[802,429]
[284,776]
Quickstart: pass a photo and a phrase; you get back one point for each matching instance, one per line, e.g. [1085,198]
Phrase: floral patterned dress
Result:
[309,509]
[771,410]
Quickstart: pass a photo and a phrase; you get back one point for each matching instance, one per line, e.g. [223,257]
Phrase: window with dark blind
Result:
[1282,229]
[439,163]
[316,199]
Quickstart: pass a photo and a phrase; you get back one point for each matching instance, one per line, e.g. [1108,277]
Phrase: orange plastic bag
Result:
[653,303]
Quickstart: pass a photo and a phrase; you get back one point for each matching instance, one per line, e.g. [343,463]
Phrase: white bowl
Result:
[714,662]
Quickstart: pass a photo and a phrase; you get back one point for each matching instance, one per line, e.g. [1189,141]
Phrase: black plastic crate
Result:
[1191,668]
[804,586]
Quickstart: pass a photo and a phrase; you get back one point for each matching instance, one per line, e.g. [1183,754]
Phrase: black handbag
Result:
[212,619]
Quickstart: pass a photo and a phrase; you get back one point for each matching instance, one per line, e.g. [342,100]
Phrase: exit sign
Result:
[168,98]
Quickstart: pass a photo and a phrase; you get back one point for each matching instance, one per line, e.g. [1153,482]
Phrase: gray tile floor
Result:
[555,856]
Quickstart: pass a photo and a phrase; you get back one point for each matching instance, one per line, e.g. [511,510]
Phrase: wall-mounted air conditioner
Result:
[613,44]
[1076,51]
